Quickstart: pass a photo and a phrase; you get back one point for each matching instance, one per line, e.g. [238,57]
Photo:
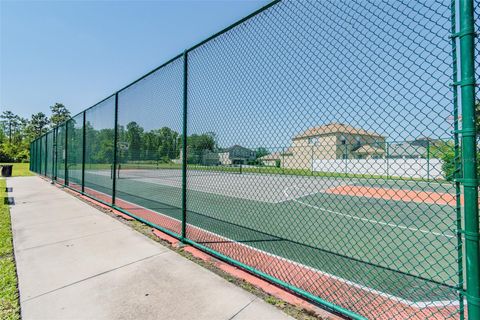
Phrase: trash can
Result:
[7,170]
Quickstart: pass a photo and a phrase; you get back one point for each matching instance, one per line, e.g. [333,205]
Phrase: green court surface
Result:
[403,249]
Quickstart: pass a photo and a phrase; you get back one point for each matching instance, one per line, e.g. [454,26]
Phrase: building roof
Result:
[233,148]
[369,149]
[271,156]
[334,128]
[406,149]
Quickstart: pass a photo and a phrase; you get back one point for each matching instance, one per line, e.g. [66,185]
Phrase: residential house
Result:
[271,160]
[236,155]
[418,148]
[333,141]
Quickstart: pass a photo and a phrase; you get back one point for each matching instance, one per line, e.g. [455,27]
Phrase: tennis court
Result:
[304,220]
[368,90]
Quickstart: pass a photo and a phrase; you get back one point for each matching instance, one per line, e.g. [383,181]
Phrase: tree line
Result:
[17,132]
[137,145]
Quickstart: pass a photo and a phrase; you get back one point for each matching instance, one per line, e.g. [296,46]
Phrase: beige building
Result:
[271,160]
[236,155]
[333,141]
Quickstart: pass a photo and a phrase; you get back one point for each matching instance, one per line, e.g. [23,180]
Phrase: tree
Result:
[260,152]
[134,138]
[59,115]
[10,123]
[38,125]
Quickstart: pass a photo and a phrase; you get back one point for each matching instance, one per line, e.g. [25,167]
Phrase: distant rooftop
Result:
[333,128]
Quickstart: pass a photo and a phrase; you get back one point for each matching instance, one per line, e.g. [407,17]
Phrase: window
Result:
[358,141]
[312,141]
[343,140]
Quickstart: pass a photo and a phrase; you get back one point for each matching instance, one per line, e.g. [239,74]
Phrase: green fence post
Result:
[54,157]
[65,178]
[83,149]
[46,155]
[469,180]
[457,165]
[115,142]
[184,147]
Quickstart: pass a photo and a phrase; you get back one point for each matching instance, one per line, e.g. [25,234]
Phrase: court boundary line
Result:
[200,185]
[419,305]
[392,225]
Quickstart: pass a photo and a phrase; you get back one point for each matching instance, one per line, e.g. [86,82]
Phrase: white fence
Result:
[406,168]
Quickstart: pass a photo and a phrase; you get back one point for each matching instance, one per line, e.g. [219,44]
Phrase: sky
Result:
[79,52]
[385,68]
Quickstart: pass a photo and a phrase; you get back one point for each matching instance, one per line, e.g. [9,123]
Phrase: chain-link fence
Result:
[325,146]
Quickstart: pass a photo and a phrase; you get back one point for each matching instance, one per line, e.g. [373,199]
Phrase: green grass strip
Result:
[9,299]
[20,169]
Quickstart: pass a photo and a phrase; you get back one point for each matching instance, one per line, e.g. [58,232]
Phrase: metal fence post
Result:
[65,178]
[46,156]
[184,146]
[457,164]
[54,169]
[469,180]
[83,149]
[115,142]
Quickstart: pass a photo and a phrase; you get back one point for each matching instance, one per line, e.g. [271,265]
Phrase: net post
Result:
[428,160]
[83,149]
[470,179]
[115,142]
[184,147]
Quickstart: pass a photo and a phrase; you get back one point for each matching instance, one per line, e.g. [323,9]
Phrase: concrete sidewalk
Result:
[75,262]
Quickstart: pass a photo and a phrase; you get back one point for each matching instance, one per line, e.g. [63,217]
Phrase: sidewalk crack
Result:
[244,307]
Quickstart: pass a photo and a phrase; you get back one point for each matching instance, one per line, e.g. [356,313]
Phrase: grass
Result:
[9,304]
[20,169]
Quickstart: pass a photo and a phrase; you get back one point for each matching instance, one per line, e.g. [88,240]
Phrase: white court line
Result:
[295,199]
[392,225]
[419,304]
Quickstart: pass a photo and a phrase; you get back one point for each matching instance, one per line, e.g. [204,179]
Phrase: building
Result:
[416,149]
[236,155]
[273,159]
[333,141]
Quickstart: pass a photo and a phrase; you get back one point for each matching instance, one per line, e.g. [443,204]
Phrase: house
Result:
[271,160]
[210,158]
[236,155]
[333,141]
[407,150]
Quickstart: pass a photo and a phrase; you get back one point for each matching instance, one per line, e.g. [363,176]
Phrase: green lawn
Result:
[20,169]
[9,305]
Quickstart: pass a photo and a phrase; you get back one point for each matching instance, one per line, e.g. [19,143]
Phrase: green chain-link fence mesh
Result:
[75,151]
[99,142]
[61,153]
[322,148]
[49,154]
[149,143]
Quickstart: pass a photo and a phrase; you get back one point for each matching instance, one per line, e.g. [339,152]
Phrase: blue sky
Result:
[384,68]
[79,52]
